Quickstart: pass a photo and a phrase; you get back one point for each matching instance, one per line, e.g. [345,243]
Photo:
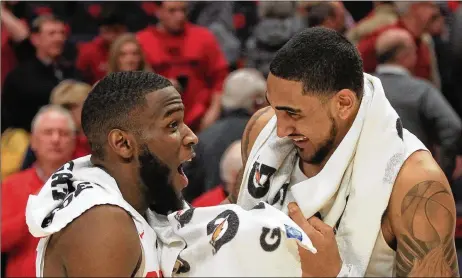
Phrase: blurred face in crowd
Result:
[50,39]
[425,13]
[339,19]
[436,26]
[129,57]
[110,32]
[53,139]
[172,16]
[76,111]
[313,123]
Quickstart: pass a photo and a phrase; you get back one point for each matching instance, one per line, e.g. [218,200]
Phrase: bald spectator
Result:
[230,165]
[243,94]
[328,14]
[71,95]
[417,18]
[53,143]
[422,108]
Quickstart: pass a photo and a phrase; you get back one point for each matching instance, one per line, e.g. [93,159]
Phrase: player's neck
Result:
[310,170]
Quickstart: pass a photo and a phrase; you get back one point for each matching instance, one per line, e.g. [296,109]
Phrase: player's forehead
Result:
[289,95]
[163,102]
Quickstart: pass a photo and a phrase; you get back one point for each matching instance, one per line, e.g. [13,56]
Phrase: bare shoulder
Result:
[420,170]
[253,128]
[103,241]
[423,217]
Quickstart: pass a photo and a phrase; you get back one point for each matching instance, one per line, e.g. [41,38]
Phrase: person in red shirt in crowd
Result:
[92,59]
[191,55]
[416,18]
[53,142]
[230,165]
[71,95]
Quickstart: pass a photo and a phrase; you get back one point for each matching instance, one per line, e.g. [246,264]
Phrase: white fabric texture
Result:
[359,176]
[217,241]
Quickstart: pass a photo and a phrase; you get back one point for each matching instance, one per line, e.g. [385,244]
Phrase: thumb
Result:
[296,214]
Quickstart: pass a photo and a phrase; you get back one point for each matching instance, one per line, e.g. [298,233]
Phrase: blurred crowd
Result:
[217,54]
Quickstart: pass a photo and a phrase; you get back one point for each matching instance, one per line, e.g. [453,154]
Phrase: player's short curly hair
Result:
[111,102]
[323,60]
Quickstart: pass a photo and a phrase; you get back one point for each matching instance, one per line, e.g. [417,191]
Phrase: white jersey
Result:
[204,242]
[57,205]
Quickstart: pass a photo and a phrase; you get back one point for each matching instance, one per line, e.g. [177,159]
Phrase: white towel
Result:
[359,175]
[216,241]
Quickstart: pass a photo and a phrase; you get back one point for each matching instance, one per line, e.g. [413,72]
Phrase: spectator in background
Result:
[416,18]
[125,54]
[70,95]
[243,94]
[422,108]
[456,59]
[190,55]
[327,14]
[92,58]
[277,25]
[15,142]
[456,56]
[230,165]
[14,31]
[28,87]
[52,140]
[383,14]
[217,16]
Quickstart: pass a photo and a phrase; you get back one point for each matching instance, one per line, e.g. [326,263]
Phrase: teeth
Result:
[189,160]
[299,139]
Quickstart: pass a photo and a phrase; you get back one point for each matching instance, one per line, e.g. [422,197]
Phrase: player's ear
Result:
[122,143]
[345,101]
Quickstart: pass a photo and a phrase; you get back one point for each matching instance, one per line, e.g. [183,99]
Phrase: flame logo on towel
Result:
[259,180]
[181,266]
[222,229]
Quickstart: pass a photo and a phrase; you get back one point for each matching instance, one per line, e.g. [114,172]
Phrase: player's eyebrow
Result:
[172,110]
[283,108]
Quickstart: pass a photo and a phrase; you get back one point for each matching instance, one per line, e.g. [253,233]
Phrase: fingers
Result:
[297,216]
[319,225]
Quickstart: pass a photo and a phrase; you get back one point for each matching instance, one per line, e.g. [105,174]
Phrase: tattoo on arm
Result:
[426,248]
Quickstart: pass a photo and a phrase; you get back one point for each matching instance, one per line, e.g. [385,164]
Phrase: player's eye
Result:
[173,126]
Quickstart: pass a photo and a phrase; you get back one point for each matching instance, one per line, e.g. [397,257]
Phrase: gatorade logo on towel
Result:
[223,229]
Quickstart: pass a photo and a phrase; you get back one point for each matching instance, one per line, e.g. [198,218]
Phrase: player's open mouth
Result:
[181,171]
[300,141]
